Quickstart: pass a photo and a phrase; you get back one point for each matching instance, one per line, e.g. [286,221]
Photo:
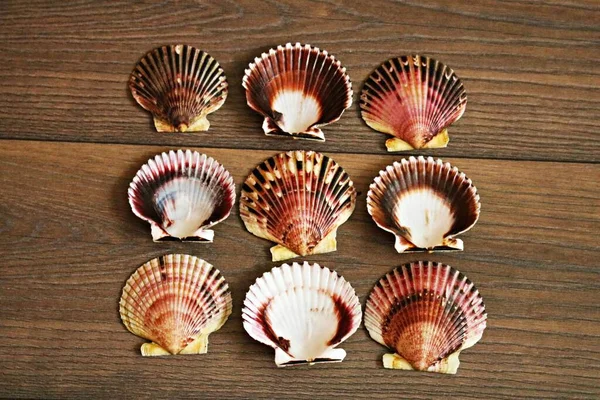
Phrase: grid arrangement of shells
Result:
[424,312]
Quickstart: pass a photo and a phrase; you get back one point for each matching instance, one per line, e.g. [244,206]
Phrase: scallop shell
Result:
[303,311]
[175,301]
[425,203]
[180,85]
[182,195]
[297,199]
[298,89]
[427,313]
[415,99]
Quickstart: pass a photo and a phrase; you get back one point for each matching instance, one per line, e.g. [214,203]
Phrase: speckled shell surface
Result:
[297,199]
[182,194]
[414,99]
[426,313]
[425,203]
[175,301]
[298,89]
[180,85]
[303,311]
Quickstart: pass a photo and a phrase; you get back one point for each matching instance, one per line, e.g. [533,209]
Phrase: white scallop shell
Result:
[303,311]
[425,203]
[182,195]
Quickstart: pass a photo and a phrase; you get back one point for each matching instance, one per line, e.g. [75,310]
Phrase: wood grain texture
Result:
[530,68]
[70,242]
[528,140]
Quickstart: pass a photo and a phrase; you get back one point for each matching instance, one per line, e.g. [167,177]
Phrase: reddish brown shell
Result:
[297,199]
[427,313]
[414,99]
[297,88]
[425,203]
[182,194]
[180,85]
[175,301]
[303,311]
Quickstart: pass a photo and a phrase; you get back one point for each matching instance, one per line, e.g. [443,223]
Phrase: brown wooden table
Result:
[73,137]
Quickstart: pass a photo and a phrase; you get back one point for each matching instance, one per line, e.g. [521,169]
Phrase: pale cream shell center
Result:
[426,215]
[306,318]
[300,111]
[187,204]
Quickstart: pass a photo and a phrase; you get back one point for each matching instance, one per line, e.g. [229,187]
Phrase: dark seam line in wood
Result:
[415,153]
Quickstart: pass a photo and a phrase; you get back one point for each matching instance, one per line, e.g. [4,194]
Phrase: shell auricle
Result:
[176,301]
[298,200]
[425,203]
[414,99]
[298,89]
[426,313]
[303,311]
[180,85]
[182,194]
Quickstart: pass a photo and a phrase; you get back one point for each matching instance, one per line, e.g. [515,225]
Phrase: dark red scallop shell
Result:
[180,85]
[427,313]
[297,199]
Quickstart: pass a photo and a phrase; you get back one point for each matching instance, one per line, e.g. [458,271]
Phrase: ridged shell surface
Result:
[426,313]
[297,199]
[175,301]
[303,311]
[414,99]
[180,85]
[425,203]
[182,194]
[297,88]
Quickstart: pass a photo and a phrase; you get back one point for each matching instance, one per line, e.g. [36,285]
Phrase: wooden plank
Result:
[530,69]
[70,241]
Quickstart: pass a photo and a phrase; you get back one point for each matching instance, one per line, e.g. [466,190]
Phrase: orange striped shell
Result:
[175,301]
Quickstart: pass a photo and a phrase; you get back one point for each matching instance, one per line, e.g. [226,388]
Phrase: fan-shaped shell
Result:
[427,313]
[180,85]
[175,301]
[303,311]
[298,89]
[415,99]
[425,203]
[297,199]
[182,194]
